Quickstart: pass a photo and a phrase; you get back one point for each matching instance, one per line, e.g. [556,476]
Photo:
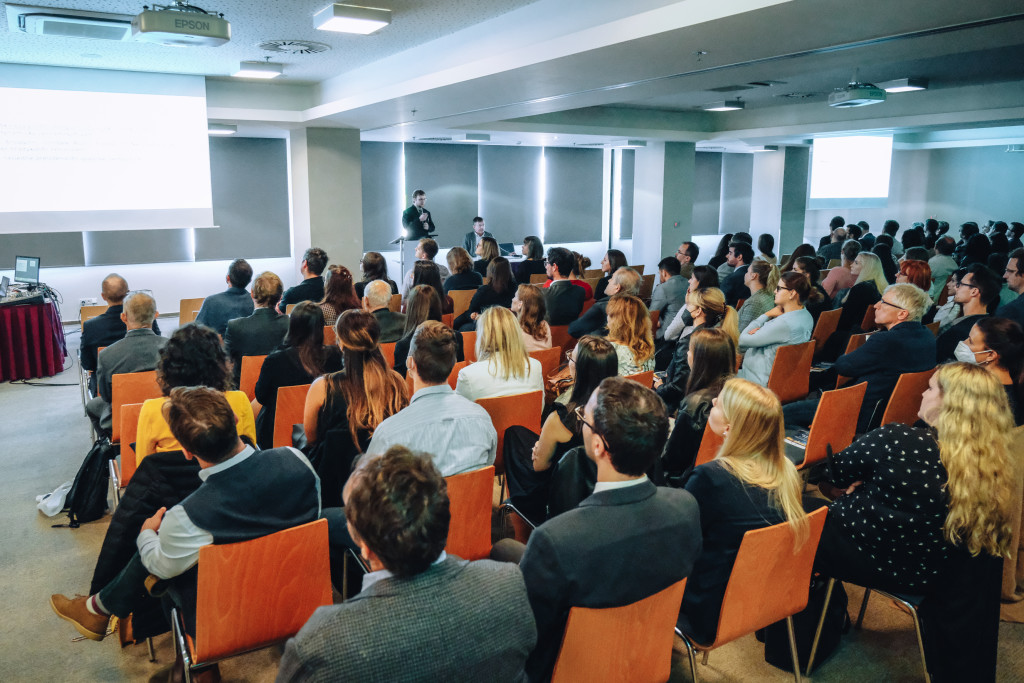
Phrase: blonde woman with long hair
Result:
[629,331]
[749,485]
[502,365]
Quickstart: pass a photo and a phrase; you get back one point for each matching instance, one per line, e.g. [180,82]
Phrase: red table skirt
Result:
[31,342]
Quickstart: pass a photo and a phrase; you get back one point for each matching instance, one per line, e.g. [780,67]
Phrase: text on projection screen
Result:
[77,161]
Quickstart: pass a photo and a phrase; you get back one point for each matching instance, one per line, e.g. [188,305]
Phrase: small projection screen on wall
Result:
[850,172]
[124,154]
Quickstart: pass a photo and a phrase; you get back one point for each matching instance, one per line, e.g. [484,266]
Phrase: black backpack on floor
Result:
[87,499]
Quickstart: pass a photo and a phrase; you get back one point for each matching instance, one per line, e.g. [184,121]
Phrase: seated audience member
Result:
[917,254]
[833,249]
[613,260]
[951,310]
[702,277]
[424,304]
[344,408]
[889,265]
[461,266]
[760,280]
[531,459]
[801,250]
[235,302]
[817,300]
[712,355]
[1014,235]
[749,485]
[374,267]
[487,250]
[915,272]
[766,249]
[866,239]
[952,497]
[301,358]
[580,264]
[579,558]
[997,264]
[137,351]
[376,299]
[193,356]
[976,251]
[456,432]
[499,291]
[903,345]
[866,292]
[427,273]
[787,323]
[474,236]
[530,309]
[533,261]
[890,228]
[107,327]
[270,490]
[261,332]
[339,294]
[564,299]
[853,232]
[721,251]
[976,292]
[669,296]
[741,255]
[629,331]
[687,254]
[314,261]
[418,604]
[706,309]
[1014,277]
[997,344]
[942,264]
[502,366]
[426,250]
[625,280]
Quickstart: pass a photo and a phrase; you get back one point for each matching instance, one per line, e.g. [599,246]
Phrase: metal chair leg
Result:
[178,633]
[690,653]
[115,480]
[704,658]
[821,624]
[920,641]
[152,652]
[792,649]
[863,608]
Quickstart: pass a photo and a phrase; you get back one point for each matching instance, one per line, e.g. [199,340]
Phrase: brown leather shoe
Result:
[92,626]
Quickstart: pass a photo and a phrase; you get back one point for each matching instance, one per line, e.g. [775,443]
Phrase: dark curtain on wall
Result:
[572,206]
[509,192]
[383,199]
[448,174]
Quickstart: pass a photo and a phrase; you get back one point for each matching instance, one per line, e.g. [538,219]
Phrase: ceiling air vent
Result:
[294,47]
[68,23]
[731,88]
[432,139]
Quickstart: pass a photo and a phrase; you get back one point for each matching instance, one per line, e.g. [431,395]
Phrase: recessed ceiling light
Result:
[766,148]
[351,18]
[221,128]
[471,137]
[726,105]
[259,70]
[626,144]
[904,85]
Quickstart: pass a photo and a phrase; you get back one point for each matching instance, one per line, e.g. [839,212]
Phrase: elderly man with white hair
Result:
[376,297]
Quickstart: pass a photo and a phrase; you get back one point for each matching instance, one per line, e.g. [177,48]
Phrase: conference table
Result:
[31,341]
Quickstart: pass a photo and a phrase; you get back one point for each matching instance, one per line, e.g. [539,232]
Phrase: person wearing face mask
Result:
[787,323]
[997,344]
[976,291]
[702,277]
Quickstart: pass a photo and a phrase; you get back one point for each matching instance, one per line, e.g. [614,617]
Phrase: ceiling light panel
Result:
[259,70]
[351,19]
[725,105]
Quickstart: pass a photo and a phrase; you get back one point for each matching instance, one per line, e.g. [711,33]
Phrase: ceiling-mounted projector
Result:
[182,25]
[856,94]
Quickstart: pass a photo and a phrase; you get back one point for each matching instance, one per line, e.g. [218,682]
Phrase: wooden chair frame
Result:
[129,387]
[250,374]
[790,377]
[291,402]
[836,428]
[906,397]
[188,309]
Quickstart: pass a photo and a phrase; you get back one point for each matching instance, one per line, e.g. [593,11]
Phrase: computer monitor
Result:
[26,269]
[5,282]
[507,248]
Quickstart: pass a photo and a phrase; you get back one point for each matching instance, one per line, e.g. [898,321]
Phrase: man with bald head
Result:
[138,351]
[376,297]
[106,328]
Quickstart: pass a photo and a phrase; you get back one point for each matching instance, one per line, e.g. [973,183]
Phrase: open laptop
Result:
[507,249]
[5,282]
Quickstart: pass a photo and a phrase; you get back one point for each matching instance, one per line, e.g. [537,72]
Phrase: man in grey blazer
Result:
[670,295]
[422,615]
[376,297]
[629,540]
[138,351]
[474,236]
[261,332]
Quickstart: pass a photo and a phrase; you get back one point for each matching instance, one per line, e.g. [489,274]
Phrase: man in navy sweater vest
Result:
[245,494]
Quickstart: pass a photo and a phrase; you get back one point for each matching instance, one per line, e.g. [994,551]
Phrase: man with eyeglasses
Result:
[977,289]
[687,254]
[1014,276]
[903,345]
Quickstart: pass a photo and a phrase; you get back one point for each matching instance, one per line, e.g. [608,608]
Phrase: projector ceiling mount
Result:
[181,24]
[856,94]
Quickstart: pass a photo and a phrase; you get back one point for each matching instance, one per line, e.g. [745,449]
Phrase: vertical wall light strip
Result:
[542,194]
[190,240]
[401,186]
[616,195]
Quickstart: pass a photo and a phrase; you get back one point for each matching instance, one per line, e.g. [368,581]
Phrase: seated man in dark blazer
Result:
[904,345]
[423,615]
[628,540]
[977,292]
[474,236]
[261,332]
[376,297]
[235,302]
[107,327]
[564,299]
[595,320]
[740,256]
[312,286]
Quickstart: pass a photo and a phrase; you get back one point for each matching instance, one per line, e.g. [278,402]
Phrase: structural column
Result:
[663,200]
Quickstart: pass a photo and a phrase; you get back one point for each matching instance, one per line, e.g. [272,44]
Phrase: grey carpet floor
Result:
[43,437]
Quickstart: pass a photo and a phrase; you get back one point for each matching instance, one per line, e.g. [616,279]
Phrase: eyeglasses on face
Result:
[889,303]
[780,288]
[965,284]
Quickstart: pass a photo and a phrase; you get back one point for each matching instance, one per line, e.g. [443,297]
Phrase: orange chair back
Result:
[856,341]
[593,280]
[628,643]
[538,278]
[826,326]
[739,304]
[469,496]
[710,443]
[507,411]
[644,379]
[791,371]
[290,403]
[655,317]
[769,582]
[906,397]
[586,306]
[130,387]
[639,269]
[251,366]
[388,351]
[129,429]
[86,313]
[395,304]
[260,592]
[560,337]
[647,286]
[868,323]
[453,376]
[469,346]
[934,327]
[188,309]
[549,360]
[448,319]
[330,338]
[944,292]
[593,274]
[289,308]
[834,424]
[461,299]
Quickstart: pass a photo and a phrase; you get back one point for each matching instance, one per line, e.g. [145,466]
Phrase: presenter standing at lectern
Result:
[416,219]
